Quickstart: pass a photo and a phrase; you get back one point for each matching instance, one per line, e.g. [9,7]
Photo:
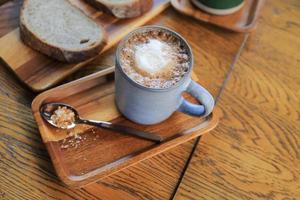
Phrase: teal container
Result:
[221,4]
[219,7]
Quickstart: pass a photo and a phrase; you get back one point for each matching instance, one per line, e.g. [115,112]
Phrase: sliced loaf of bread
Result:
[60,30]
[123,8]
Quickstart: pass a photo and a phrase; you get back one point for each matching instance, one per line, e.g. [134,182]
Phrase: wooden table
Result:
[254,153]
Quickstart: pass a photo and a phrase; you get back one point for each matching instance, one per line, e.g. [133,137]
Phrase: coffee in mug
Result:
[154,59]
[153,69]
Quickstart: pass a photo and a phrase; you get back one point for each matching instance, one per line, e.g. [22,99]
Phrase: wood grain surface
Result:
[244,20]
[40,72]
[25,169]
[254,153]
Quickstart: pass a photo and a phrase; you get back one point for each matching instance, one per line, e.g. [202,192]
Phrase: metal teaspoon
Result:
[48,109]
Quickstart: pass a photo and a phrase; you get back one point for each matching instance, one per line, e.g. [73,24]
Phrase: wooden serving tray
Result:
[244,20]
[100,153]
[40,72]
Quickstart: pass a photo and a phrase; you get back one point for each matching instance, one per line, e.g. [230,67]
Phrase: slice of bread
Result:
[60,30]
[123,8]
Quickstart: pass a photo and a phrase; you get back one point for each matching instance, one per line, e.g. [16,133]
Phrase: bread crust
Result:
[124,10]
[58,53]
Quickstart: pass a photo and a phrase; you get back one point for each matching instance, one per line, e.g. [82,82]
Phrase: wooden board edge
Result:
[253,24]
[23,83]
[94,176]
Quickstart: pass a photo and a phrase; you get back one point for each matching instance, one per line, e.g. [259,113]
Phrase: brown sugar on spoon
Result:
[63,117]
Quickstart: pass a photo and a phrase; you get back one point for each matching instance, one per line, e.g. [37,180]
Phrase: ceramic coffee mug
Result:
[147,106]
[219,7]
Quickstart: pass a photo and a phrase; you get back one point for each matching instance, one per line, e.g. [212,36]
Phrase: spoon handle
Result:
[123,129]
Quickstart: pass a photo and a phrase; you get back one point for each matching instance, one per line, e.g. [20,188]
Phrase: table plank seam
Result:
[226,79]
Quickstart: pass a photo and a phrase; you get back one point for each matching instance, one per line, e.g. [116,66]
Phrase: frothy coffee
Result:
[155,59]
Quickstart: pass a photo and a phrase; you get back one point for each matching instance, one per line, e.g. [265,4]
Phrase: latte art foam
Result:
[154,59]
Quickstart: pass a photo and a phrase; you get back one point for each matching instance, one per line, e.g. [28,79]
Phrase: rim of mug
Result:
[145,29]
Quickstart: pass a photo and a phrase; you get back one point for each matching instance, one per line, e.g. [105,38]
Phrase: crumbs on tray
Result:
[75,139]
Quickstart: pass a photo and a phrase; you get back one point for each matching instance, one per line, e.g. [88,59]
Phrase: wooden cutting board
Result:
[40,72]
[97,153]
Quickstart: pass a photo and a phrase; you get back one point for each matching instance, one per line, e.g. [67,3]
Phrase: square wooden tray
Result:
[40,72]
[244,20]
[96,153]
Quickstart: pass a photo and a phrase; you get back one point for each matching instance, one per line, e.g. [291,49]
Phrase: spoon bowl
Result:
[47,110]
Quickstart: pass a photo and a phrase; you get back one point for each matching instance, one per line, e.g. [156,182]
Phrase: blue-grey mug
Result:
[145,105]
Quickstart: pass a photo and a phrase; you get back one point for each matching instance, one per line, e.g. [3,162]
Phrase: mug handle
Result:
[204,98]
